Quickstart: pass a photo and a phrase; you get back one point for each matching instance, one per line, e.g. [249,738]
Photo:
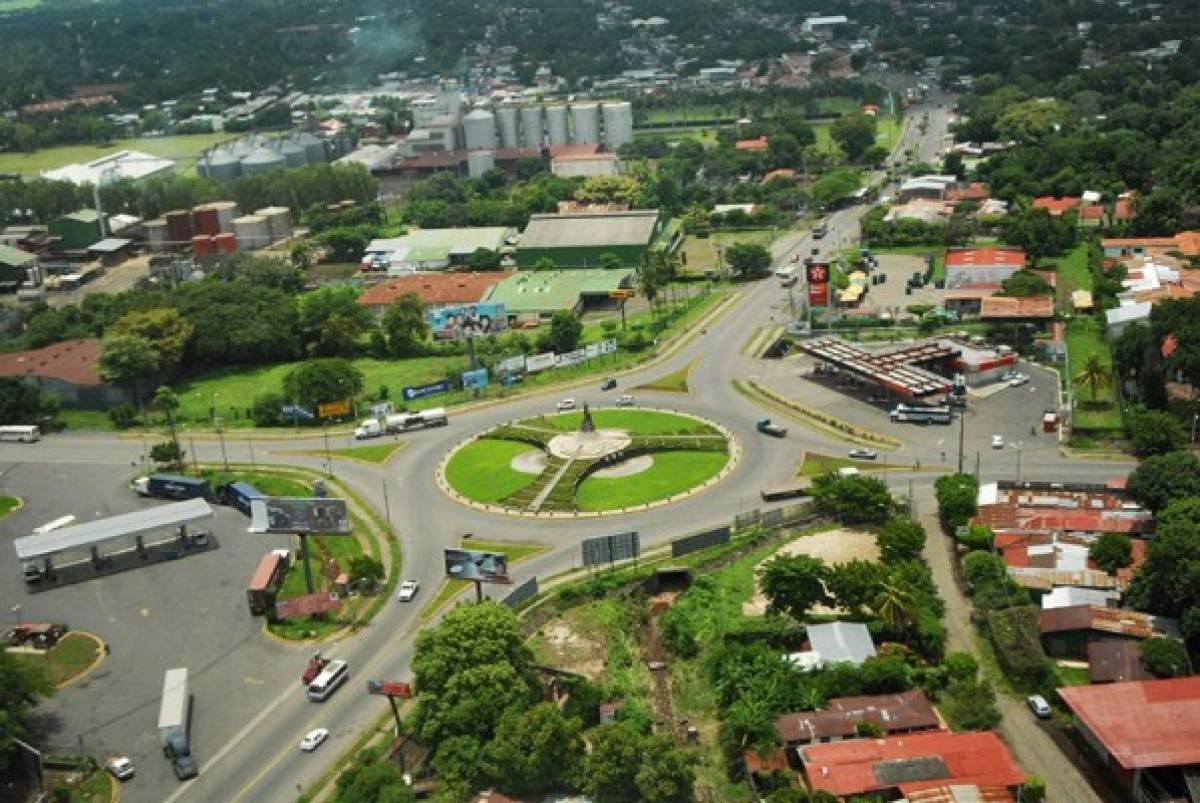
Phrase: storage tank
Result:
[506,121]
[262,160]
[618,124]
[204,220]
[179,228]
[222,164]
[226,212]
[292,152]
[252,232]
[279,222]
[314,147]
[531,126]
[225,243]
[479,130]
[585,123]
[156,234]
[479,162]
[556,125]
[202,245]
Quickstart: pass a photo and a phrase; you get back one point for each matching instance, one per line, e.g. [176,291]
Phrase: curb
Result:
[92,666]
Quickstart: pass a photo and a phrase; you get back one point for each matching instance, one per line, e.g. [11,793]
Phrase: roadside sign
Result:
[621,294]
[330,409]
[389,688]
[411,392]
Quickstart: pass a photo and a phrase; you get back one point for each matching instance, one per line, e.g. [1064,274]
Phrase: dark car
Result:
[767,428]
[608,384]
[185,766]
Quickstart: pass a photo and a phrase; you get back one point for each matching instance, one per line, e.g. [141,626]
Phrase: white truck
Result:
[173,713]
[368,429]
[433,417]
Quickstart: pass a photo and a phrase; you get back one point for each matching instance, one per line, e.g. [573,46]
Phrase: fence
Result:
[694,543]
[522,593]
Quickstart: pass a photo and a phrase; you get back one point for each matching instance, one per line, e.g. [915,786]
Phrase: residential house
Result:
[1116,661]
[1186,243]
[433,289]
[1057,207]
[835,642]
[893,714]
[754,145]
[1068,632]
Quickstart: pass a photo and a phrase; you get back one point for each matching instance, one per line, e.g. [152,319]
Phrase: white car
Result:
[408,590]
[313,740]
[121,768]
[997,441]
[1018,380]
[1039,706]
[625,400]
[566,404]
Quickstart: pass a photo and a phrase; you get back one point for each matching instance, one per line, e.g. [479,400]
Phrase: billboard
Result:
[522,593]
[300,516]
[610,548]
[698,541]
[467,564]
[539,362]
[512,365]
[608,346]
[466,320]
[475,380]
[333,408]
[817,275]
[389,688]
[411,392]
[571,357]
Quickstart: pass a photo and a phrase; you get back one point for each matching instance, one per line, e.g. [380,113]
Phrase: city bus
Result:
[922,415]
[20,433]
[333,675]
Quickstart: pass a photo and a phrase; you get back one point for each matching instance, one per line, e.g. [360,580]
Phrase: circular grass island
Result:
[623,459]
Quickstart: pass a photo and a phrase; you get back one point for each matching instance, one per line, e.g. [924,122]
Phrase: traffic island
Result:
[588,463]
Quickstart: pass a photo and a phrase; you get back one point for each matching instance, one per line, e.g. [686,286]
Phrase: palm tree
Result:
[1095,375]
[895,606]
[166,401]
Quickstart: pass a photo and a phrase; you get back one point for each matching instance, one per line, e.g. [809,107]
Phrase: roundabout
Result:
[588,463]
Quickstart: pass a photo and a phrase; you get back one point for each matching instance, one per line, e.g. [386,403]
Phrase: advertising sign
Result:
[286,514]
[411,392]
[381,409]
[334,408]
[466,320]
[467,564]
[818,283]
[512,365]
[571,357]
[475,380]
[608,346]
[592,350]
[539,362]
[389,688]
[610,548]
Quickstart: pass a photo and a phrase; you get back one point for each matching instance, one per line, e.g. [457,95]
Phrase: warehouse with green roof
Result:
[543,293]
[436,249]
[581,241]
[13,265]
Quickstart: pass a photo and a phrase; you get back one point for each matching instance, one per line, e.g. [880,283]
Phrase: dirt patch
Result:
[571,651]
[832,546]
[658,662]
[626,468]
[532,462]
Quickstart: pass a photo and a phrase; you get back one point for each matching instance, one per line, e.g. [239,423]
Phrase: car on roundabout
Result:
[765,426]
[608,384]
[313,739]
[565,404]
[408,590]
[862,454]
[625,400]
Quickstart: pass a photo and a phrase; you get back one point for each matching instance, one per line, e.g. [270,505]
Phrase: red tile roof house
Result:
[907,712]
[1057,207]
[759,144]
[1146,732]
[903,765]
[974,266]
[434,289]
[66,370]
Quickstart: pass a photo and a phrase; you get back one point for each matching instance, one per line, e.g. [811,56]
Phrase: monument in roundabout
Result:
[588,462]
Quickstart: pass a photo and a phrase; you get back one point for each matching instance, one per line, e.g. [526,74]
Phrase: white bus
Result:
[922,415]
[333,675]
[20,433]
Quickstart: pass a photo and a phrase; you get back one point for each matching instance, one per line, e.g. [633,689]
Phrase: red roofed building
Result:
[434,289]
[973,266]
[66,370]
[907,712]
[974,192]
[1185,242]
[905,764]
[1029,308]
[1147,732]
[1123,210]
[1057,207]
[759,144]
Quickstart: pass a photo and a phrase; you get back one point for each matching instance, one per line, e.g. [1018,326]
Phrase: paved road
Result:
[260,761]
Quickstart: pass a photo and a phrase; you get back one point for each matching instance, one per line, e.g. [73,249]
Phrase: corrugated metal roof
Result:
[1116,661]
[907,711]
[94,533]
[841,641]
[1142,724]
[590,231]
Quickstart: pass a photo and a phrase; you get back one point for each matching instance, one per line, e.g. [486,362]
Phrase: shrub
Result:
[1165,657]
[123,416]
[1016,636]
[957,499]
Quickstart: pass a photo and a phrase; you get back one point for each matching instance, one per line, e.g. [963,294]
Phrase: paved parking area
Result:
[190,612]
[889,297]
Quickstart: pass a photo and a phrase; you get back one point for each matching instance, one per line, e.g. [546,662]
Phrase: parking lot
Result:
[190,612]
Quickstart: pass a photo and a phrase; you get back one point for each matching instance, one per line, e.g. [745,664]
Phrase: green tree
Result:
[332,320]
[21,686]
[535,751]
[366,571]
[854,499]
[302,254]
[1161,479]
[344,243]
[22,402]
[610,773]
[1153,432]
[1023,284]
[484,259]
[1168,582]
[315,382]
[900,538]
[970,704]
[564,333]
[667,773]
[545,264]
[896,606]
[610,261]
[1112,551]
[167,403]
[165,330]
[956,498]
[128,360]
[1033,790]
[855,133]
[855,584]
[459,763]
[370,779]
[405,326]
[793,584]
[748,260]
[1166,657]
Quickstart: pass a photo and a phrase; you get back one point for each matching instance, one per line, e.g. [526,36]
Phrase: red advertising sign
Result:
[389,688]
[818,283]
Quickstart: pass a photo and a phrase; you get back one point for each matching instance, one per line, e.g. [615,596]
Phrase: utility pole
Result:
[961,427]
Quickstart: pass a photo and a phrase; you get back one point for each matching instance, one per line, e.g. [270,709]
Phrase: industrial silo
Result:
[252,232]
[226,212]
[618,124]
[179,227]
[314,147]
[506,121]
[556,125]
[279,222]
[585,122]
[479,130]
[205,221]
[479,162]
[156,234]
[262,160]
[293,152]
[223,164]
[531,126]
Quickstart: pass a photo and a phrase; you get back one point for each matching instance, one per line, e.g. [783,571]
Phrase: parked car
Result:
[121,768]
[625,400]
[863,454]
[608,384]
[1039,706]
[408,590]
[566,404]
[997,441]
[313,739]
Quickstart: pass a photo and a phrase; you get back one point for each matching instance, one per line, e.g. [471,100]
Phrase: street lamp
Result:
[16,612]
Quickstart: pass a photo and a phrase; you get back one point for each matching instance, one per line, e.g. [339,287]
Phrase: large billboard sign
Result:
[466,320]
[411,392]
[512,365]
[818,283]
[485,567]
[611,548]
[475,380]
[389,688]
[300,516]
[333,408]
[539,362]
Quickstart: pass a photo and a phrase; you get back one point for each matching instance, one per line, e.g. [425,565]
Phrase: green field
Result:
[8,504]
[71,656]
[674,382]
[184,149]
[637,422]
[482,470]
[672,473]
[887,133]
[838,105]
[1085,337]
[700,253]
[815,465]
[1073,274]
[375,453]
[688,114]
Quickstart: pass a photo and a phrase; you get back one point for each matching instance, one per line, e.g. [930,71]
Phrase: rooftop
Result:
[93,533]
[434,288]
[132,165]
[1056,206]
[71,361]
[1027,307]
[908,711]
[836,642]
[546,291]
[438,245]
[590,230]
[15,257]
[1116,621]
[1150,723]
[985,257]
[1116,662]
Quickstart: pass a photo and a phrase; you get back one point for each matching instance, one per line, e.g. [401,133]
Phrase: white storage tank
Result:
[252,232]
[531,126]
[585,122]
[479,130]
[156,234]
[262,160]
[556,125]
[226,212]
[618,124]
[479,162]
[279,222]
[506,121]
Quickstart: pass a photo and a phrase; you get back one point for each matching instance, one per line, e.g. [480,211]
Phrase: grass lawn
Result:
[269,484]
[674,382]
[838,105]
[1071,675]
[887,132]
[482,470]
[86,419]
[700,254]
[342,548]
[375,453]
[672,473]
[69,657]
[1073,273]
[690,113]
[815,465]
[1085,338]
[185,149]
[96,788]
[8,504]
[638,422]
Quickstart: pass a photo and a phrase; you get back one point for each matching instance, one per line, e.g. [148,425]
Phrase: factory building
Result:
[580,241]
